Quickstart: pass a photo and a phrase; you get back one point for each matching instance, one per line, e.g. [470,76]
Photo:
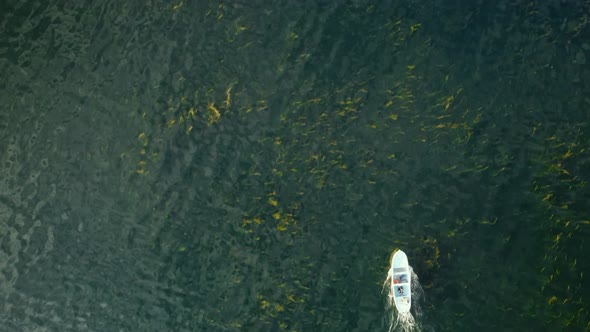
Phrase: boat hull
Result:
[401,282]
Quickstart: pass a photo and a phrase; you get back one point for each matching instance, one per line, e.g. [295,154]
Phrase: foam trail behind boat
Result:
[398,321]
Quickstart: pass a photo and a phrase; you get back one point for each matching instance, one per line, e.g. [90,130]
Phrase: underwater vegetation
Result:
[455,139]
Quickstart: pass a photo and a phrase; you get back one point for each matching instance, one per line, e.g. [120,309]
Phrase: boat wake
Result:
[403,321]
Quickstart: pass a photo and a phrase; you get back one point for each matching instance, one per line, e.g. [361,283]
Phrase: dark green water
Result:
[251,165]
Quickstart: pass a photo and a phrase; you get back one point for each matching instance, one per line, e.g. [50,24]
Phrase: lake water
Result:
[251,165]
